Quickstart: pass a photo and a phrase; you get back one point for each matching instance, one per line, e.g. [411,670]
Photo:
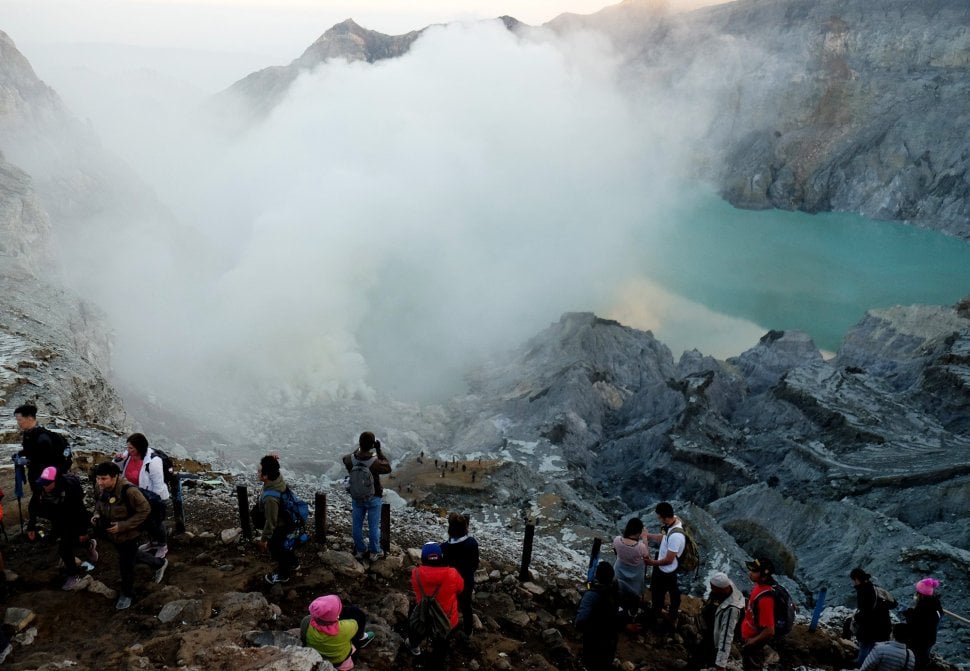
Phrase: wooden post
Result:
[385,528]
[178,507]
[817,613]
[530,532]
[242,495]
[320,516]
[594,558]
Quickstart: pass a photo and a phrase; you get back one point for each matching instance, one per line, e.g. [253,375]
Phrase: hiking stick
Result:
[954,615]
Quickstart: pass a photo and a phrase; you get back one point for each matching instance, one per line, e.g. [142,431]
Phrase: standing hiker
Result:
[721,614]
[276,523]
[663,581]
[924,619]
[598,619]
[143,467]
[758,625]
[365,466]
[871,621]
[434,580]
[631,552]
[461,553]
[42,448]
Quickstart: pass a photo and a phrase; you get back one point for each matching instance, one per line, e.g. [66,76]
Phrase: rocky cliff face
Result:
[818,106]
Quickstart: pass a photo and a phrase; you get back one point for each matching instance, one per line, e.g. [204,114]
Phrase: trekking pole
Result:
[594,558]
[817,613]
[242,495]
[530,532]
[954,615]
[19,478]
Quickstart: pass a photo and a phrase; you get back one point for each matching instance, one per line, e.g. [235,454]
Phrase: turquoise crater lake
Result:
[791,270]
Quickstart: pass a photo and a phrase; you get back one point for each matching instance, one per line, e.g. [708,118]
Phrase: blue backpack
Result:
[296,511]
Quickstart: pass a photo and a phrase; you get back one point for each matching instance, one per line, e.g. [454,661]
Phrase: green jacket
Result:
[271,506]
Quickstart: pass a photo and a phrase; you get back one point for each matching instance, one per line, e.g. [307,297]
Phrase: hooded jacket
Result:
[450,583]
[726,619]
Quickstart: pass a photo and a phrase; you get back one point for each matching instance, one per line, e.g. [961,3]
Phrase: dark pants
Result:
[66,541]
[465,607]
[157,532]
[662,584]
[128,556]
[285,559]
[753,656]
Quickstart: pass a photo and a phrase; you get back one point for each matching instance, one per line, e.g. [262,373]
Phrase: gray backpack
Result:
[361,482]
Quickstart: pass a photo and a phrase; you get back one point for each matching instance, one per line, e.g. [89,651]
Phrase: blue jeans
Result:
[372,507]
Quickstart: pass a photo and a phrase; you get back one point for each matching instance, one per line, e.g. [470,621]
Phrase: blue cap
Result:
[431,552]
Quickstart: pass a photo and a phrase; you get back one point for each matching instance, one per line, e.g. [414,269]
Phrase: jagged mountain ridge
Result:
[816,106]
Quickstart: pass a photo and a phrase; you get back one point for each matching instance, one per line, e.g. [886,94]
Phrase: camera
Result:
[377,446]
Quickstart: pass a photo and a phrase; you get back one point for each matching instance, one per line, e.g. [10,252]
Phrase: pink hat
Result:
[325,614]
[47,476]
[926,586]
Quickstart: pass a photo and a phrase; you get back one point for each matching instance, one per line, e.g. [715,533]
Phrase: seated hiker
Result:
[61,500]
[120,511]
[335,631]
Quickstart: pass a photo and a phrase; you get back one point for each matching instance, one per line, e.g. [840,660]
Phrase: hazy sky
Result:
[277,28]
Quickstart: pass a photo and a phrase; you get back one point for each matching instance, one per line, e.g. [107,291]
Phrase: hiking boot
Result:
[161,551]
[147,547]
[361,556]
[274,578]
[124,603]
[160,572]
[74,582]
[366,639]
[93,551]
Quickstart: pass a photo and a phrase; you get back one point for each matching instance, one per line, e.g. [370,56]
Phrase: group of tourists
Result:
[612,604]
[130,498]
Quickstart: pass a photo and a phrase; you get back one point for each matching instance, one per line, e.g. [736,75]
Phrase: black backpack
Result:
[169,468]
[62,453]
[157,514]
[785,609]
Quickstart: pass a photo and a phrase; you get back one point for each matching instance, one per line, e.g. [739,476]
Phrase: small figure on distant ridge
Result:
[365,466]
[335,630]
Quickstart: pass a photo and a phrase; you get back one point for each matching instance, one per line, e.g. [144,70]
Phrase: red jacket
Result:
[451,585]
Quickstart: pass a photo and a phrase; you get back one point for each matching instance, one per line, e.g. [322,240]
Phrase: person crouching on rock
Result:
[61,500]
[121,508]
[335,631]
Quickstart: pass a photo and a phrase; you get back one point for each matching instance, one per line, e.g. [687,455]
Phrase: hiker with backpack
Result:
[335,630]
[631,553]
[61,501]
[365,467]
[923,619]
[144,467]
[120,511]
[758,625]
[435,613]
[663,581]
[871,622]
[598,619]
[277,523]
[461,553]
[41,447]
[721,614]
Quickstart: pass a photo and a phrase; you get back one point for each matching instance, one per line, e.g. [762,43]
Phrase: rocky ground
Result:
[213,610]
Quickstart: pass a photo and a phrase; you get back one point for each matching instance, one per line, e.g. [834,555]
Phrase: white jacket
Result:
[151,475]
[726,619]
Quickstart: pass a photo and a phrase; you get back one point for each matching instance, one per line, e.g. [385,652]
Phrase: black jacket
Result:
[42,452]
[873,621]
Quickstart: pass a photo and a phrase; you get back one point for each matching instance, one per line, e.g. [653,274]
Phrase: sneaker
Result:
[361,556]
[366,639]
[147,547]
[161,551]
[274,578]
[6,652]
[160,572]
[416,650]
[377,556]
[93,551]
[73,582]
[124,603]
[87,566]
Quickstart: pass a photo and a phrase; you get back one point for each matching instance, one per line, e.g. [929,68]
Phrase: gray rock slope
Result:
[818,105]
[795,104]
